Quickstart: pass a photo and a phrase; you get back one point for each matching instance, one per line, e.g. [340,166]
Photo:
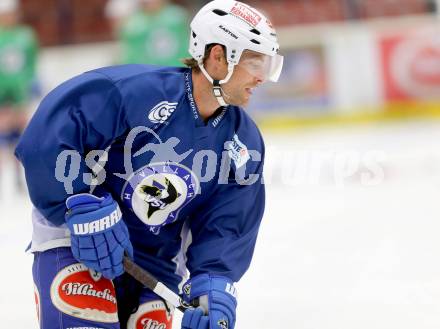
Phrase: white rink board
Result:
[329,255]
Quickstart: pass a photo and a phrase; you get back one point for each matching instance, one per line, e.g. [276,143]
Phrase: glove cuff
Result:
[203,284]
[82,199]
[221,299]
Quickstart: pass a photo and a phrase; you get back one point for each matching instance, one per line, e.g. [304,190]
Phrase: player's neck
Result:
[206,103]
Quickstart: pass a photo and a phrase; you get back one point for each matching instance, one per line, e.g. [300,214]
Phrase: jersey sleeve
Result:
[81,115]
[225,231]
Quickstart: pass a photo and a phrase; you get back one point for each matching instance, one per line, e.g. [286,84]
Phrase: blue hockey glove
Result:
[99,236]
[219,295]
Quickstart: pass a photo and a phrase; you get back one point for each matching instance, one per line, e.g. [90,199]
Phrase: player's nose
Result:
[259,79]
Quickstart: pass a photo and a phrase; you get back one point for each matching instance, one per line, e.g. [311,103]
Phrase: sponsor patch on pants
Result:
[37,301]
[151,315]
[83,328]
[84,294]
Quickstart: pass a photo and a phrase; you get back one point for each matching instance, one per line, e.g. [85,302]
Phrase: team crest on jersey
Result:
[76,291]
[157,192]
[151,315]
[237,151]
[161,112]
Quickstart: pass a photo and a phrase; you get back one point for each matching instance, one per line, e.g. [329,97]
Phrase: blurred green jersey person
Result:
[157,33]
[18,57]
[18,54]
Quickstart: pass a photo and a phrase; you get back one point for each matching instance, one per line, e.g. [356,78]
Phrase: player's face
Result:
[248,74]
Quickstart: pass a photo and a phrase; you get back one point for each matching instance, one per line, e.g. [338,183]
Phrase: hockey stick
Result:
[149,281]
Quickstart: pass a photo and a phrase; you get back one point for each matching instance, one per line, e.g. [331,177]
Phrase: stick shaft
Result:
[149,281]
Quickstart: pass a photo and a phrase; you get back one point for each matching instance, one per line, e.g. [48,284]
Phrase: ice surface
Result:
[341,246]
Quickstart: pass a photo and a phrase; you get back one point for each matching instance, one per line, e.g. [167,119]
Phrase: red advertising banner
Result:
[411,65]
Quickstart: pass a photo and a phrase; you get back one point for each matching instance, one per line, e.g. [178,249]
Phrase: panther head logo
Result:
[158,196]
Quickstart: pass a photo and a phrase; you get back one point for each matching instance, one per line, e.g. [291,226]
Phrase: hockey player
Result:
[18,53]
[156,33]
[160,163]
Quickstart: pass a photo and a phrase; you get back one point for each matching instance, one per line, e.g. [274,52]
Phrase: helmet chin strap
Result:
[216,84]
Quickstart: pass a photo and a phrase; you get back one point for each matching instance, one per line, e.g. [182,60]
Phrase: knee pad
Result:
[151,315]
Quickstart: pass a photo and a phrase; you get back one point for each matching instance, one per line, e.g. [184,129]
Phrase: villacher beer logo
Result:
[75,292]
[151,315]
[157,192]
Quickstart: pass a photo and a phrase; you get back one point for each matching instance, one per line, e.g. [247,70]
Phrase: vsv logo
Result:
[158,196]
[161,112]
[157,192]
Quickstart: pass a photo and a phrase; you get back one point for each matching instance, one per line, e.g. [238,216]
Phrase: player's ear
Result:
[216,63]
[217,54]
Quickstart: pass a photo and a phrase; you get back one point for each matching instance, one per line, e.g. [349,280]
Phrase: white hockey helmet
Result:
[8,6]
[238,27]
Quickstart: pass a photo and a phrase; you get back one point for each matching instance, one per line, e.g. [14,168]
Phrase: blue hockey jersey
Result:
[190,190]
